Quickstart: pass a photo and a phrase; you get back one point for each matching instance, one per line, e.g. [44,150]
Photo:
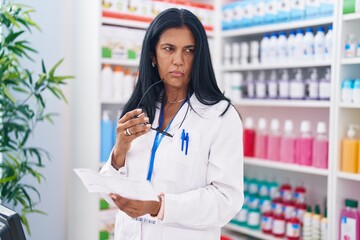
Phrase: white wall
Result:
[53,43]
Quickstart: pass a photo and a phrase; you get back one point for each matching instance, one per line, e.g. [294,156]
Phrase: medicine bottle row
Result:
[305,149]
[249,13]
[350,91]
[352,46]
[280,47]
[279,84]
[280,210]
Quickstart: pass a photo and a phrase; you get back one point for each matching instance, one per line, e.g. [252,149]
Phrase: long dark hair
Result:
[202,78]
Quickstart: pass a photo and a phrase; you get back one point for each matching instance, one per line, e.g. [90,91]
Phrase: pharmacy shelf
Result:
[276,27]
[349,176]
[249,232]
[124,22]
[351,17]
[135,24]
[285,166]
[349,105]
[129,63]
[349,61]
[252,67]
[283,103]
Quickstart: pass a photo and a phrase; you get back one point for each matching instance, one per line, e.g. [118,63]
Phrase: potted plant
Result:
[22,107]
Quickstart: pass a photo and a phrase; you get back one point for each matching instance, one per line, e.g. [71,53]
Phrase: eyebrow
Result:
[172,45]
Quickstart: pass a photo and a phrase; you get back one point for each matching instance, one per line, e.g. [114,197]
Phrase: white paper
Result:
[132,189]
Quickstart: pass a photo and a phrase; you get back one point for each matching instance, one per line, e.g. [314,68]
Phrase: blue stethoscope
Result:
[158,138]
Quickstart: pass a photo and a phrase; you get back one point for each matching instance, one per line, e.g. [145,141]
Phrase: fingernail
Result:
[139,110]
[148,125]
[146,119]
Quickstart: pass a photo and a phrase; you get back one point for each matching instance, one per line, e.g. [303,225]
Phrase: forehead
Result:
[177,36]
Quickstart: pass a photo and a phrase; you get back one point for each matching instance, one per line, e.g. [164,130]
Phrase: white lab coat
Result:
[203,190]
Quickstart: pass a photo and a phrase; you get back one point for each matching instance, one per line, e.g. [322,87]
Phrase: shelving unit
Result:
[349,176]
[283,103]
[276,27]
[264,163]
[250,232]
[251,67]
[128,63]
[351,17]
[350,61]
[319,182]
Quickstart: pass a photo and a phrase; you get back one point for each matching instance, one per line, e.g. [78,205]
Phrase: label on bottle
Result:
[279,226]
[260,90]
[251,90]
[300,214]
[350,50]
[348,228]
[293,229]
[242,215]
[297,90]
[254,218]
[324,90]
[288,211]
[266,223]
[358,50]
[284,89]
[313,90]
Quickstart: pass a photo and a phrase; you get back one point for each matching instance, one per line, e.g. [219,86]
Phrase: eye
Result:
[190,50]
[168,48]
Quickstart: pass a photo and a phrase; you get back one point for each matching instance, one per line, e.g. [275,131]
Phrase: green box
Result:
[349,6]
[104,235]
[103,205]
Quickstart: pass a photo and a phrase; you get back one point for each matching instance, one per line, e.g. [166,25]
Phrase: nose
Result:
[178,58]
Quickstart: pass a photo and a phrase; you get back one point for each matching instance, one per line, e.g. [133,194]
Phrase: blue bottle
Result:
[106,136]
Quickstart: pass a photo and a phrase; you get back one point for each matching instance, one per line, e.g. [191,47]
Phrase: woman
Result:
[181,133]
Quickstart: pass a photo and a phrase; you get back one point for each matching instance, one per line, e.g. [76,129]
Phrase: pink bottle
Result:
[320,147]
[261,139]
[273,146]
[249,138]
[304,144]
[287,143]
[350,221]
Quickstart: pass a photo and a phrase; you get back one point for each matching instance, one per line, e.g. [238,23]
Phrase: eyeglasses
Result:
[158,128]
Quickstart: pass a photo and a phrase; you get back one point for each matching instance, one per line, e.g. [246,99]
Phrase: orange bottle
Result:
[350,152]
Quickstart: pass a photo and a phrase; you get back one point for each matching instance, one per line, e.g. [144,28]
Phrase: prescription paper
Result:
[132,189]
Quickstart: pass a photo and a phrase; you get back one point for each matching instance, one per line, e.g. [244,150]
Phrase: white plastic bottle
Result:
[291,45]
[328,43]
[308,42]
[273,85]
[244,53]
[319,45]
[350,46]
[297,86]
[313,85]
[356,91]
[324,86]
[107,82]
[227,54]
[128,85]
[273,48]
[261,86]
[250,85]
[284,85]
[118,89]
[254,52]
[235,52]
[236,86]
[346,90]
[282,47]
[264,49]
[299,43]
[358,48]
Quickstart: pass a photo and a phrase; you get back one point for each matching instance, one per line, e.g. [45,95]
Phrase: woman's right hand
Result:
[134,123]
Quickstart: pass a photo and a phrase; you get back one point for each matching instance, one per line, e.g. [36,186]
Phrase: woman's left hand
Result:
[136,208]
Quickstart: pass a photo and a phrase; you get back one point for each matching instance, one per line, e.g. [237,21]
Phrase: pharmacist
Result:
[179,132]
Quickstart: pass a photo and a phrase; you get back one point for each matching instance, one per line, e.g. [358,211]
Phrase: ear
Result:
[153,60]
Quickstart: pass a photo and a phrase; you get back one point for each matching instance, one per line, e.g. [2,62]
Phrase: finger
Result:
[135,122]
[139,129]
[130,115]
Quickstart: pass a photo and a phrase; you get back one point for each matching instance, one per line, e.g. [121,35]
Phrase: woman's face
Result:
[174,56]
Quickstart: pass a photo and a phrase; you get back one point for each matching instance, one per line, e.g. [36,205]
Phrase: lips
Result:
[176,73]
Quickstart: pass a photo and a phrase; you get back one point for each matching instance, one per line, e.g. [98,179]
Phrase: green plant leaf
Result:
[52,71]
[43,66]
[7,93]
[11,19]
[12,36]
[7,179]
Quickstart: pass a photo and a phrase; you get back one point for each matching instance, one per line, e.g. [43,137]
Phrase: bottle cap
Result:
[328,74]
[285,75]
[262,124]
[249,123]
[275,125]
[299,30]
[261,76]
[314,75]
[351,132]
[351,203]
[308,208]
[309,29]
[288,126]
[321,127]
[317,209]
[305,126]
[330,28]
[273,75]
[106,115]
[118,69]
[320,29]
